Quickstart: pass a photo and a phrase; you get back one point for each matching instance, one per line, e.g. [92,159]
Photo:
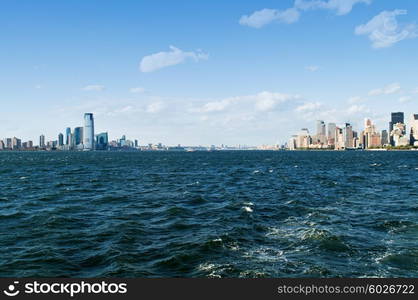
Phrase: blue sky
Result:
[205,72]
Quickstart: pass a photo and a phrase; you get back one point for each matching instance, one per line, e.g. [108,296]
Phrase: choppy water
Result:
[218,214]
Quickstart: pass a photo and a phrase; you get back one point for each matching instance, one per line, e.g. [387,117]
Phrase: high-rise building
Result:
[67,136]
[102,141]
[8,143]
[42,141]
[384,137]
[88,132]
[303,139]
[60,140]
[16,143]
[320,132]
[414,130]
[332,131]
[396,117]
[2,145]
[78,136]
[348,136]
[398,135]
[30,144]
[136,143]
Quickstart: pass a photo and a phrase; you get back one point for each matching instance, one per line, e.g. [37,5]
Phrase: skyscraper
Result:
[67,136]
[396,117]
[348,136]
[42,141]
[78,135]
[102,141]
[320,132]
[60,139]
[88,132]
[414,130]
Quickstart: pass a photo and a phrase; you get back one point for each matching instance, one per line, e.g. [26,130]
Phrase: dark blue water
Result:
[216,214]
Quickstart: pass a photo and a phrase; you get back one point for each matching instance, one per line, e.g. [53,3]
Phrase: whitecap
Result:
[247,209]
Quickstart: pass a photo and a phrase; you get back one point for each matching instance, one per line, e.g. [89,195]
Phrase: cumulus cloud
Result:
[261,102]
[93,87]
[291,15]
[341,7]
[308,106]
[387,90]
[356,109]
[383,30]
[265,16]
[175,56]
[137,90]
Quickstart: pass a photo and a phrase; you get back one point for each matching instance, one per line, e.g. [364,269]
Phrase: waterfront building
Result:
[30,144]
[16,143]
[332,130]
[136,144]
[320,137]
[42,141]
[8,143]
[339,139]
[78,136]
[60,140]
[102,141]
[88,132]
[2,146]
[67,136]
[303,138]
[370,137]
[396,117]
[384,137]
[292,145]
[414,130]
[398,136]
[348,136]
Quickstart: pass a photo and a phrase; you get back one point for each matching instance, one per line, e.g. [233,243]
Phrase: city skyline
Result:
[206,73]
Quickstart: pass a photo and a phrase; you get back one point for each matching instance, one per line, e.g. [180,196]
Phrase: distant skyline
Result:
[202,73]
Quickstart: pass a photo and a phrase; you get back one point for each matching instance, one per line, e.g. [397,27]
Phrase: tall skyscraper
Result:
[78,135]
[385,137]
[88,132]
[60,139]
[42,141]
[396,117]
[320,132]
[332,133]
[67,136]
[348,136]
[414,130]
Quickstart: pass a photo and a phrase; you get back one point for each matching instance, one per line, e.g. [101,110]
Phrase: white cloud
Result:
[266,101]
[387,90]
[341,7]
[308,106]
[312,68]
[383,30]
[173,57]
[96,88]
[356,109]
[291,15]
[265,16]
[137,90]
[261,102]
[155,107]
[405,99]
